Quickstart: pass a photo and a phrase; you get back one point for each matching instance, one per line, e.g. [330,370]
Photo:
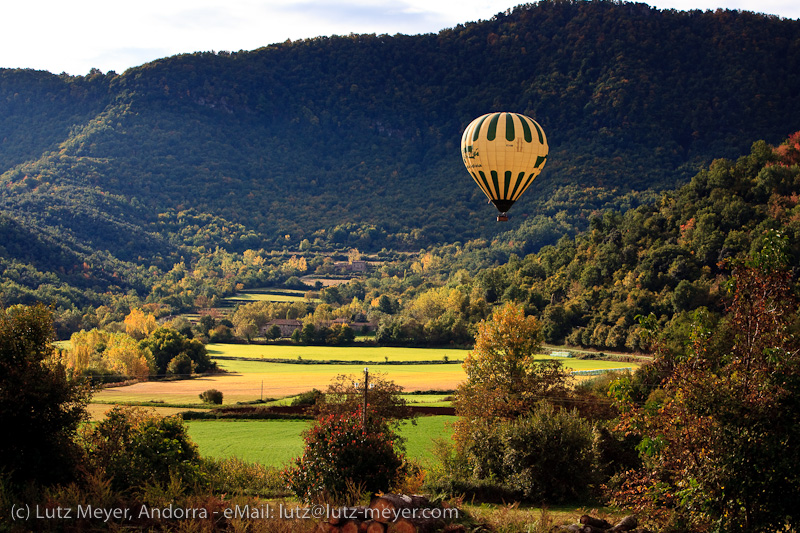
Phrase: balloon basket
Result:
[502,217]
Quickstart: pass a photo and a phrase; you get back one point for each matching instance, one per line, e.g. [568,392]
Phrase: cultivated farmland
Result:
[250,377]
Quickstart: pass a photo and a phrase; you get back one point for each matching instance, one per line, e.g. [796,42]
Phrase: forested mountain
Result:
[354,140]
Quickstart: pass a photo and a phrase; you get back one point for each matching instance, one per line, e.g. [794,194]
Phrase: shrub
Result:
[307,399]
[136,448]
[234,476]
[548,456]
[345,395]
[211,396]
[340,453]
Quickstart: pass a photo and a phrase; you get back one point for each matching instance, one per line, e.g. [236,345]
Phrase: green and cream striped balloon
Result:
[504,152]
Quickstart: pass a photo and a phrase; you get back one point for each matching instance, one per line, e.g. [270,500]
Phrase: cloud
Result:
[361,14]
[203,18]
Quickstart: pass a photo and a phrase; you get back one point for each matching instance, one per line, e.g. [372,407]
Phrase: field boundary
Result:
[292,412]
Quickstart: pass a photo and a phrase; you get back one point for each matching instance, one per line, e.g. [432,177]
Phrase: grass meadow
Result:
[276,442]
[267,295]
[370,354]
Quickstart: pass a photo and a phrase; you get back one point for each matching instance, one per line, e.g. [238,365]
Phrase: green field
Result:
[254,358]
[267,295]
[276,442]
[425,400]
[371,354]
[270,442]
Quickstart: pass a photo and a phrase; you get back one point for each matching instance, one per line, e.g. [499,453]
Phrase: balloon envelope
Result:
[504,152]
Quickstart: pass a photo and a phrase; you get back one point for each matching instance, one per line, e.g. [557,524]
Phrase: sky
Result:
[78,35]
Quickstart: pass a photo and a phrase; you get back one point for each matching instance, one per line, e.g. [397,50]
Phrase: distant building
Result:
[287,326]
[358,327]
[351,266]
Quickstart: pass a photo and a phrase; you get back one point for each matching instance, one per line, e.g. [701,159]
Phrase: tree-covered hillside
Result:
[353,141]
[668,258]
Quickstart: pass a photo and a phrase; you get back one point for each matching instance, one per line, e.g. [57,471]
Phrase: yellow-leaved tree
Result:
[504,380]
[509,433]
[139,324]
[102,352]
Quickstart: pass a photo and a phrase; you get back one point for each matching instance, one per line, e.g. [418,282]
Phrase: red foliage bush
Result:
[341,454]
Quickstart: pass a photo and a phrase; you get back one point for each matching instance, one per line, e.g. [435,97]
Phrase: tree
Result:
[41,408]
[165,344]
[717,444]
[206,324]
[504,382]
[385,305]
[180,365]
[246,328]
[274,332]
[139,325]
[345,395]
[101,352]
[308,335]
[503,378]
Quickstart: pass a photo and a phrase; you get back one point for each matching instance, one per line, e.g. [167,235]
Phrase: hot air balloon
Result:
[504,152]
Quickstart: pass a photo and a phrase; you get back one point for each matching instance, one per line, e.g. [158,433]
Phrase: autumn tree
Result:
[504,380]
[103,352]
[503,404]
[719,444]
[139,324]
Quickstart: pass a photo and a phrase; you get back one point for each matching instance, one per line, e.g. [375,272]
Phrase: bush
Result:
[548,456]
[135,448]
[211,396]
[341,454]
[234,476]
[307,399]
